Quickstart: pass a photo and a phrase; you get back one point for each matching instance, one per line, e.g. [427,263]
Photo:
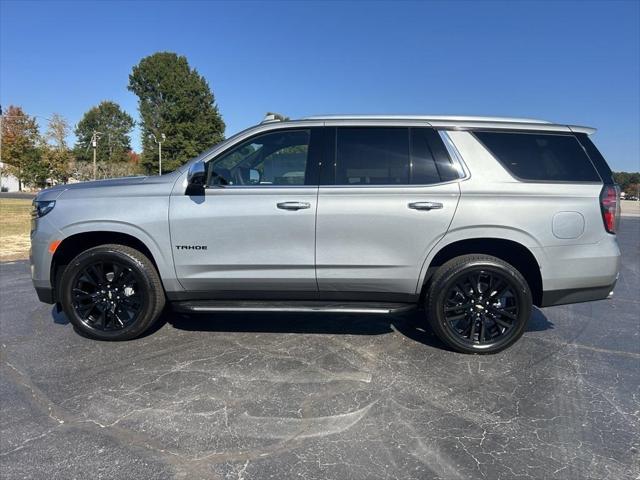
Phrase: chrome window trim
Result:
[275,126]
[221,149]
[254,187]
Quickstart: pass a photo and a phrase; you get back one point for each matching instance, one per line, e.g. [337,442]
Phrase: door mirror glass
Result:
[254,177]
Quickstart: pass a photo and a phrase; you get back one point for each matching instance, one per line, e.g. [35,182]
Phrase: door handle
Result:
[293,205]
[425,205]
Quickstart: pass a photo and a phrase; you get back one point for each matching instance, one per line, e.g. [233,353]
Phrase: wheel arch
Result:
[76,243]
[509,250]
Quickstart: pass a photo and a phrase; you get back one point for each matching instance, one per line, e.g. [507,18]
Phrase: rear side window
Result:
[372,156]
[541,156]
[390,156]
[430,161]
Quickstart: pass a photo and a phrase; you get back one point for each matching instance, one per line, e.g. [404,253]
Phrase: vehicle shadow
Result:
[411,324]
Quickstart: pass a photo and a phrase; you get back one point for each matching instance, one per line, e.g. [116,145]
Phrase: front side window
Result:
[540,156]
[276,158]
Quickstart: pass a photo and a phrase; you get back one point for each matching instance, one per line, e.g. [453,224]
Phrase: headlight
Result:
[42,207]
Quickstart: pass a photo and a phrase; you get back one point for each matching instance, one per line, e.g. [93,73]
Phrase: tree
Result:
[20,152]
[57,131]
[56,154]
[83,171]
[628,182]
[176,100]
[632,190]
[113,126]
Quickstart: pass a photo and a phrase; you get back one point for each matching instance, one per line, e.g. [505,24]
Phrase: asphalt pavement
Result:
[321,396]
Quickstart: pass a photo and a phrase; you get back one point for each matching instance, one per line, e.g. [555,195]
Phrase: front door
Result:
[254,229]
[387,199]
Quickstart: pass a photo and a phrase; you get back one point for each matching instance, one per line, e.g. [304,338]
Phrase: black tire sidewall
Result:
[146,316]
[451,271]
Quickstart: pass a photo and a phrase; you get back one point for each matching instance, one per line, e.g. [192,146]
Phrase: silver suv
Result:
[473,219]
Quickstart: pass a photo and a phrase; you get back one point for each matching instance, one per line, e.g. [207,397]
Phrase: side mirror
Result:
[196,179]
[254,177]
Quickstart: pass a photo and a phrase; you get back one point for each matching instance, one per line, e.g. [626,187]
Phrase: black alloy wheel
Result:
[107,295]
[481,306]
[478,304]
[111,292]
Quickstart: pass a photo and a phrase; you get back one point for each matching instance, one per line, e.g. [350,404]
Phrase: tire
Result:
[478,304]
[111,292]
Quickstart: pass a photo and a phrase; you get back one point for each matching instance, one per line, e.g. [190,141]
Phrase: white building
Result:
[8,183]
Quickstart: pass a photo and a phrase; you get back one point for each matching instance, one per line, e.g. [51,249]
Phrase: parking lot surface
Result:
[321,396]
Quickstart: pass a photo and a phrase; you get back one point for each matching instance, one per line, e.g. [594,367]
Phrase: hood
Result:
[54,192]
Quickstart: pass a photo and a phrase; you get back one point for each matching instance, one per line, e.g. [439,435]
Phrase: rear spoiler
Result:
[580,129]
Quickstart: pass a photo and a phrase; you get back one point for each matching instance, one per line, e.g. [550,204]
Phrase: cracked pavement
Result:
[237,396]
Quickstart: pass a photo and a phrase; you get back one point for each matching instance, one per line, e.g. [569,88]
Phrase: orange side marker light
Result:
[54,245]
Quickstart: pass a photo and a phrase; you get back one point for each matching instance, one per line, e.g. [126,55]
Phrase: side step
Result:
[201,306]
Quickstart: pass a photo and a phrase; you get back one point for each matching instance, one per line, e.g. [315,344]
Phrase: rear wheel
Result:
[478,304]
[111,292]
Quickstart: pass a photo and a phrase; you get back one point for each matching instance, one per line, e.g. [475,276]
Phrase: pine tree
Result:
[174,100]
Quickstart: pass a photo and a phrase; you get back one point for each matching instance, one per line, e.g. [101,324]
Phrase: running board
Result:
[203,306]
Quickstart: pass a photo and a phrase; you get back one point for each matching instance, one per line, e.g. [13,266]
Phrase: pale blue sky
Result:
[573,62]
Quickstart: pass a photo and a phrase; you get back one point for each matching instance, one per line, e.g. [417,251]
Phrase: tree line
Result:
[629,182]
[173,99]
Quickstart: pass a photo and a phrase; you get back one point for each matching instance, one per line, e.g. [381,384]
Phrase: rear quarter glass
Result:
[540,157]
[596,157]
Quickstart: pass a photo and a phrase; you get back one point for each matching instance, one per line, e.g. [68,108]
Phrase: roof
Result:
[461,122]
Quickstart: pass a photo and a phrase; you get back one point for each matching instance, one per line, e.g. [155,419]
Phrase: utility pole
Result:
[94,144]
[155,139]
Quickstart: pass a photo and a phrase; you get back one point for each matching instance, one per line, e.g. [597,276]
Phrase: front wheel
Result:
[478,304]
[111,292]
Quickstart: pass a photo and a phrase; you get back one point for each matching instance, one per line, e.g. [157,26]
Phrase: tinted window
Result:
[541,156]
[423,166]
[372,156]
[596,157]
[430,161]
[278,158]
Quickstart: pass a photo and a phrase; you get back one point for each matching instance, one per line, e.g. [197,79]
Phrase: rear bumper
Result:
[576,295]
[589,267]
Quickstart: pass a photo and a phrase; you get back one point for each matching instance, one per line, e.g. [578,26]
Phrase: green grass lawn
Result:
[15,220]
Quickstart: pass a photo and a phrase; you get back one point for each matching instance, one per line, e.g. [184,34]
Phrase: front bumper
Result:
[45,294]
[40,258]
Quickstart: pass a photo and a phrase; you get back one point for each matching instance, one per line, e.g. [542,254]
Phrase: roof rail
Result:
[451,118]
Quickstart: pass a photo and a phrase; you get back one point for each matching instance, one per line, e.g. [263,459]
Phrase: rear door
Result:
[254,229]
[387,195]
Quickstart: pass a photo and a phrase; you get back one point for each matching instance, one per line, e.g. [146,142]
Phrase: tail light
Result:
[610,207]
